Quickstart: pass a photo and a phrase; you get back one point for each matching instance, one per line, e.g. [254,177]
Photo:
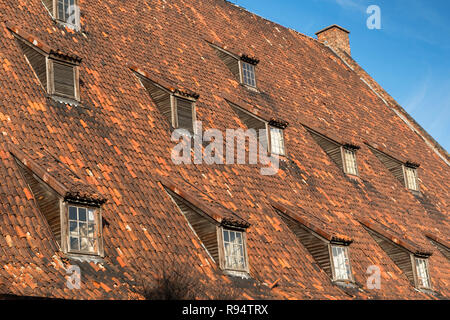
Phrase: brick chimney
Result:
[335,37]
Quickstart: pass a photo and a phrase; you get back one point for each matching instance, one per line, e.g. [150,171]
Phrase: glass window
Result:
[341,263]
[234,250]
[350,161]
[67,11]
[82,230]
[276,141]
[411,178]
[423,276]
[248,74]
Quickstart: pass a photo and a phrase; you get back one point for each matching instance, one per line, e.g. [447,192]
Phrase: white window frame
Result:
[242,77]
[222,251]
[345,159]
[334,266]
[418,274]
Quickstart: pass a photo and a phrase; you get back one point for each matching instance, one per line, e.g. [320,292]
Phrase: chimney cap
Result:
[332,26]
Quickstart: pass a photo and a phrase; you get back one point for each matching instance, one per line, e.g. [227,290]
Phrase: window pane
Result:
[66,11]
[82,214]
[74,245]
[248,74]
[61,9]
[234,250]
[73,226]
[82,229]
[422,273]
[232,235]
[91,215]
[350,161]
[73,213]
[84,244]
[341,263]
[225,236]
[91,230]
[411,181]
[277,141]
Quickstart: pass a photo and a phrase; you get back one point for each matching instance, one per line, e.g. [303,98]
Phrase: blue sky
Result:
[409,56]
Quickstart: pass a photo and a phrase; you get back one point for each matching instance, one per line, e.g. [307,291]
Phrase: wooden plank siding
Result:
[317,247]
[49,4]
[203,227]
[230,61]
[253,122]
[161,97]
[443,249]
[332,148]
[47,199]
[399,255]
[38,62]
[393,165]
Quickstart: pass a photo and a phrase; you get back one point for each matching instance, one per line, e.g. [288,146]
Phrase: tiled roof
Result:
[117,145]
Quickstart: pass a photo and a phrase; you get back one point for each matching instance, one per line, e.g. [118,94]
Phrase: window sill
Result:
[65,100]
[84,257]
[345,283]
[71,27]
[237,274]
[250,88]
[353,177]
[426,291]
[415,192]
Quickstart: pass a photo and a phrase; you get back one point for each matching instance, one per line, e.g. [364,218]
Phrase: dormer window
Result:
[270,132]
[405,172]
[74,221]
[234,250]
[176,105]
[248,74]
[64,11]
[411,178]
[243,67]
[224,239]
[410,258]
[343,154]
[331,252]
[422,276]
[83,229]
[57,72]
[341,263]
[350,164]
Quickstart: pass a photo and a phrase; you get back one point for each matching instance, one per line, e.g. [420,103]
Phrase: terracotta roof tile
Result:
[116,145]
